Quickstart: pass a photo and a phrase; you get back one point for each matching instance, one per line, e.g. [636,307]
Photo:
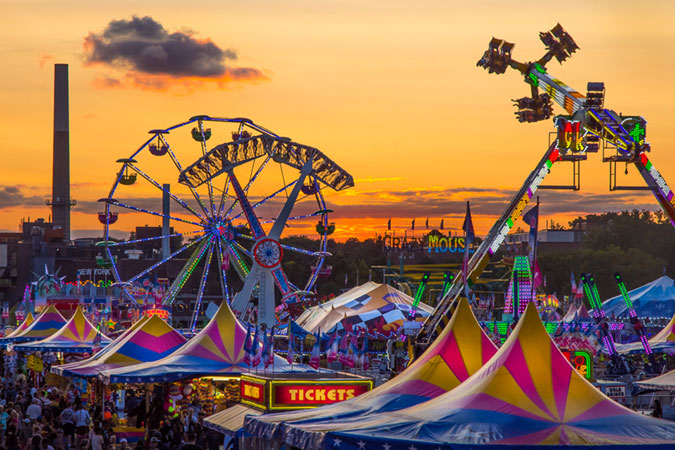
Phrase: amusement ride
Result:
[587,127]
[222,192]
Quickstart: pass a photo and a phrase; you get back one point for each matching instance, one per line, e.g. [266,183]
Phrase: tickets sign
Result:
[285,395]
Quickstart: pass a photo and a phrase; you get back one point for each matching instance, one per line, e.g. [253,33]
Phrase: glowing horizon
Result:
[390,92]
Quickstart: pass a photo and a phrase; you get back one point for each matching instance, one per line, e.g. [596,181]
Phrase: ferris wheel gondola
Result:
[220,197]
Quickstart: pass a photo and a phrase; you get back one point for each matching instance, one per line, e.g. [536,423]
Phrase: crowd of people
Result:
[48,418]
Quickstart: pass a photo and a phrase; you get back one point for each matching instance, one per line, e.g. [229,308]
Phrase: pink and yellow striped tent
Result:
[218,349]
[46,324]
[460,350]
[78,335]
[526,395]
[98,355]
[21,328]
[150,339]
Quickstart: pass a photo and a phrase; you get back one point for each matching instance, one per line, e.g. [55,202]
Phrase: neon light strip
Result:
[115,244]
[160,187]
[261,202]
[195,194]
[208,167]
[186,272]
[154,266]
[534,185]
[134,208]
[200,295]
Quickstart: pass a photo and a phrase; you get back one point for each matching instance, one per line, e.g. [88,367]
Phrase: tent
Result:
[654,299]
[148,340]
[665,382]
[21,328]
[460,350]
[575,313]
[378,307]
[528,394]
[59,370]
[46,324]
[218,349]
[78,335]
[663,341]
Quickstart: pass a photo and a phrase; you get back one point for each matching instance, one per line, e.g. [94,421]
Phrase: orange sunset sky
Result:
[387,89]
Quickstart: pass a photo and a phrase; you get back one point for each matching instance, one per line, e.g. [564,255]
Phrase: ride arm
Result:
[637,325]
[434,323]
[658,185]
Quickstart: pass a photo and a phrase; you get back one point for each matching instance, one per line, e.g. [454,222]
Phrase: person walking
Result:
[82,421]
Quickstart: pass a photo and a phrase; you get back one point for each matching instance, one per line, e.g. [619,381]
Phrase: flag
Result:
[291,343]
[226,261]
[532,219]
[389,225]
[256,348]
[363,359]
[315,357]
[343,349]
[427,224]
[469,236]
[537,278]
[268,350]
[332,348]
[441,224]
[574,284]
[413,224]
[247,344]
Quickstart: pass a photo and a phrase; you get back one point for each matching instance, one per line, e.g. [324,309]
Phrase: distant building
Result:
[548,241]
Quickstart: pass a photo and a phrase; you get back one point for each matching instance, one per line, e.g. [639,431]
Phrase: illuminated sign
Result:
[252,392]
[161,313]
[581,360]
[300,395]
[274,394]
[434,242]
[285,395]
[441,244]
[570,138]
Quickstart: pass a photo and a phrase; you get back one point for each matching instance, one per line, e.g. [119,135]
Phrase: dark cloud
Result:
[11,196]
[144,47]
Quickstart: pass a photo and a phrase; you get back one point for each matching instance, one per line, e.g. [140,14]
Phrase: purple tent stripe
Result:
[561,374]
[516,364]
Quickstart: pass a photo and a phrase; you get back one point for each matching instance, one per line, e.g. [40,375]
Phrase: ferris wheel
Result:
[225,215]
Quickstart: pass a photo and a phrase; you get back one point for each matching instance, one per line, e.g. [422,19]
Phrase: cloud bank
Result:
[153,58]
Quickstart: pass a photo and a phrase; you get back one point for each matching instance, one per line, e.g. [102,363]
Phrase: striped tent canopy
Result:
[528,394]
[106,351]
[665,382]
[21,328]
[663,341]
[46,324]
[78,335]
[148,340]
[379,308]
[577,313]
[460,350]
[218,349]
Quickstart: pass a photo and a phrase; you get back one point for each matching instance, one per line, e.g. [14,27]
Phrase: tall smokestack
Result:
[61,167]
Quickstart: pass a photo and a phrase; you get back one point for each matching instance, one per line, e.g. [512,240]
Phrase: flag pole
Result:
[533,296]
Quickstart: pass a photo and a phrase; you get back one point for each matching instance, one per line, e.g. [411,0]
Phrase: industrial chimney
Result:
[61,202]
